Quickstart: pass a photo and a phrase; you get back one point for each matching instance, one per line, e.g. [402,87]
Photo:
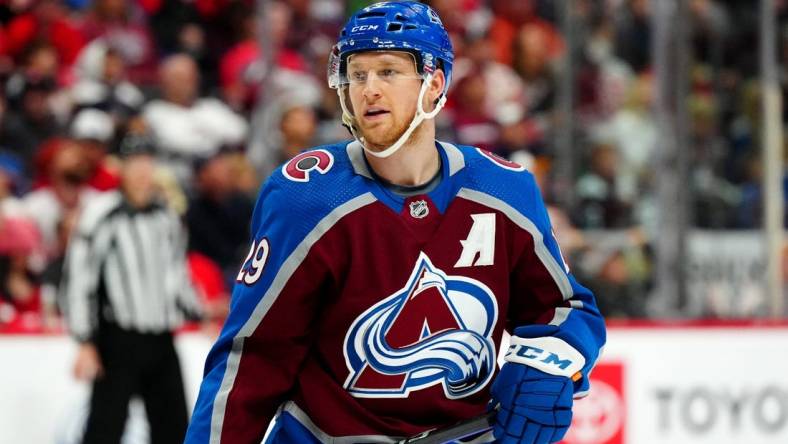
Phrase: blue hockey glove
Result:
[534,390]
[534,407]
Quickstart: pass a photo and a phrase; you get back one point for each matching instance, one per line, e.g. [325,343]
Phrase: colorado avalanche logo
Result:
[300,166]
[500,161]
[435,330]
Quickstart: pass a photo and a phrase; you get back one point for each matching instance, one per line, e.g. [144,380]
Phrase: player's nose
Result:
[371,86]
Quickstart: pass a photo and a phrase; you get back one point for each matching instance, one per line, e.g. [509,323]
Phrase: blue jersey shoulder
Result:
[292,212]
[504,180]
[309,186]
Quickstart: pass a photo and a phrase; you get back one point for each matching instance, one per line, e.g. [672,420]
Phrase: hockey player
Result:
[383,271]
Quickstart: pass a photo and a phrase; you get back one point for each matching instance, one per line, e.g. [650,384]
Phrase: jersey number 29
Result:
[252,267]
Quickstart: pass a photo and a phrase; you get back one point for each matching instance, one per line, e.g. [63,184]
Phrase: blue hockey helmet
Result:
[406,26]
[394,26]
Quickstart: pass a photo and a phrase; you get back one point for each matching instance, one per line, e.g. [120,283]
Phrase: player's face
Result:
[384,88]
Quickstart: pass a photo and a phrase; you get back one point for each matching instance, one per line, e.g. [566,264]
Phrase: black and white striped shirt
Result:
[127,267]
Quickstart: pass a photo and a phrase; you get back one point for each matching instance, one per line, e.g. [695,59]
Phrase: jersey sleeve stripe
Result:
[283,275]
[561,315]
[540,248]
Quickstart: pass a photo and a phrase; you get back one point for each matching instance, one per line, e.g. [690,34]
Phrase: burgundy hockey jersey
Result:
[362,316]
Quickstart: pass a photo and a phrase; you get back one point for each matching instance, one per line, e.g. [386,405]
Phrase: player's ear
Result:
[436,86]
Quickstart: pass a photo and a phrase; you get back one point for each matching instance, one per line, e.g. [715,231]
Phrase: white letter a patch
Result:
[480,241]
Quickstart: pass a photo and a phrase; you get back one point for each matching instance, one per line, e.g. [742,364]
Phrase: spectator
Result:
[603,79]
[519,138]
[186,26]
[218,215]
[102,83]
[62,190]
[306,21]
[18,239]
[534,62]
[326,104]
[93,130]
[40,60]
[298,126]
[710,25]
[186,126]
[743,131]
[11,177]
[166,20]
[714,197]
[45,21]
[472,124]
[598,192]
[633,129]
[288,90]
[30,119]
[456,15]
[241,67]
[749,211]
[124,29]
[633,34]
[502,84]
[618,264]
[509,18]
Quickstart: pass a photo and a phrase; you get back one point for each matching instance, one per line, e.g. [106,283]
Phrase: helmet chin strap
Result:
[419,117]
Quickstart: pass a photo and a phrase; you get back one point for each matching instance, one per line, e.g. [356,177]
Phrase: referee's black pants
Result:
[142,364]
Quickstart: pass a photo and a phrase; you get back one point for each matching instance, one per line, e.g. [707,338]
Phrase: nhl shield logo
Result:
[419,209]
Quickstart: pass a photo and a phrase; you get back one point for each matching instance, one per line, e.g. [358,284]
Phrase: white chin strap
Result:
[419,117]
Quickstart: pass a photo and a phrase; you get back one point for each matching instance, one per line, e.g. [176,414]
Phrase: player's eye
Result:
[388,74]
[357,76]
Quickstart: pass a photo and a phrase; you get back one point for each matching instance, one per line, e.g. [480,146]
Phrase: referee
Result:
[126,289]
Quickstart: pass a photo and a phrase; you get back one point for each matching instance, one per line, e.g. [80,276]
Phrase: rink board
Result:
[655,384]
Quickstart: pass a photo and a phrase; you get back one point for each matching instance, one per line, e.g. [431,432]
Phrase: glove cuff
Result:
[548,354]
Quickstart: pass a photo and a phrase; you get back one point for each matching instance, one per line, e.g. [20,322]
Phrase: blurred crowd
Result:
[227,95]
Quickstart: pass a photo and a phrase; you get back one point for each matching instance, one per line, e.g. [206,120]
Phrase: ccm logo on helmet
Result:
[299,167]
[364,28]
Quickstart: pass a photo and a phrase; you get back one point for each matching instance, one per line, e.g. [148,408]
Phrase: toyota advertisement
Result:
[694,385]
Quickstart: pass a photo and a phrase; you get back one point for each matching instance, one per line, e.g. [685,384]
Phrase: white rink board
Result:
[703,385]
[680,385]
[40,402]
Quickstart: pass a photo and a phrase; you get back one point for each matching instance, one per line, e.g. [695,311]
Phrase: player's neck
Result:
[414,164]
